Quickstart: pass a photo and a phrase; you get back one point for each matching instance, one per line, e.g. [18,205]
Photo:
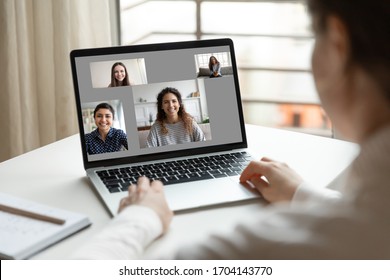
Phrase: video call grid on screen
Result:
[149,73]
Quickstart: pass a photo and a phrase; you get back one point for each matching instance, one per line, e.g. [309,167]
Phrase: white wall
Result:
[203,101]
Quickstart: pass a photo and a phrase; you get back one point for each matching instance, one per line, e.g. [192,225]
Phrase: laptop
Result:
[197,171]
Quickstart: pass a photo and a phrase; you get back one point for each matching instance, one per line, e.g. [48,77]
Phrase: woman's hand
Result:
[274,180]
[149,194]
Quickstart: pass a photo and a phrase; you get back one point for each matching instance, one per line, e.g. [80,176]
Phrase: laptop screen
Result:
[146,102]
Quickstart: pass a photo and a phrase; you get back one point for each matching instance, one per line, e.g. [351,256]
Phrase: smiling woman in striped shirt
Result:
[173,125]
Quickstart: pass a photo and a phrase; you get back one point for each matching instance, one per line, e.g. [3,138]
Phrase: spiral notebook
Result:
[21,237]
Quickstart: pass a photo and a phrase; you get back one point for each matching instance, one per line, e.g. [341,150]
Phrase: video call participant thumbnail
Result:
[173,125]
[105,138]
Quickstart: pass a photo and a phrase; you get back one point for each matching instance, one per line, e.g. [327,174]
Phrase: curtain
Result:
[37,104]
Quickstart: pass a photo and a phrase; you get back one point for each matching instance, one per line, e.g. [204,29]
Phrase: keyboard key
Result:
[114,190]
[233,173]
[113,181]
[219,175]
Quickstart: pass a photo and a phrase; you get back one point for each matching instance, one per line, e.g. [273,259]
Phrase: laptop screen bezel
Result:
[152,48]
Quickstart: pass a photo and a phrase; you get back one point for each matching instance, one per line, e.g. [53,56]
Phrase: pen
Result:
[31,215]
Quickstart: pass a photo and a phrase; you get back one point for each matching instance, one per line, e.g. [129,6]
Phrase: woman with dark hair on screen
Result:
[215,67]
[119,76]
[105,138]
[173,124]
[350,219]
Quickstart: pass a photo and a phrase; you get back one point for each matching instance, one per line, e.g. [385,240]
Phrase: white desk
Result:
[54,175]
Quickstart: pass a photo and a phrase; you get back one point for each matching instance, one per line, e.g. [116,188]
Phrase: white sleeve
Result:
[198,133]
[306,193]
[151,139]
[298,233]
[125,237]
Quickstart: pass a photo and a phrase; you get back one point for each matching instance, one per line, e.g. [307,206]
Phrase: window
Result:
[273,43]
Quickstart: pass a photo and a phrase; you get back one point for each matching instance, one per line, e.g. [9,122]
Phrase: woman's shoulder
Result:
[88,136]
[155,125]
[194,123]
[92,133]
[116,130]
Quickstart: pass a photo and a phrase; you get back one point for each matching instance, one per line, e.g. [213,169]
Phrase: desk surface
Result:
[54,175]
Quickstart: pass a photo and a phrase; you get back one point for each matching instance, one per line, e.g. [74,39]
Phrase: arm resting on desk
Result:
[307,193]
[136,227]
[126,236]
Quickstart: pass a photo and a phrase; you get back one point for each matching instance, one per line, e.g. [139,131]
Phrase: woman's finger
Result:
[267,159]
[259,184]
[157,185]
[254,169]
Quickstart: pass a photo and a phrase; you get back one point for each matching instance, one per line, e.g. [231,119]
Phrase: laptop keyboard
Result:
[173,172]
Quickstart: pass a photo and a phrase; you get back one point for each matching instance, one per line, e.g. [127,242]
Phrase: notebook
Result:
[21,236]
[199,162]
